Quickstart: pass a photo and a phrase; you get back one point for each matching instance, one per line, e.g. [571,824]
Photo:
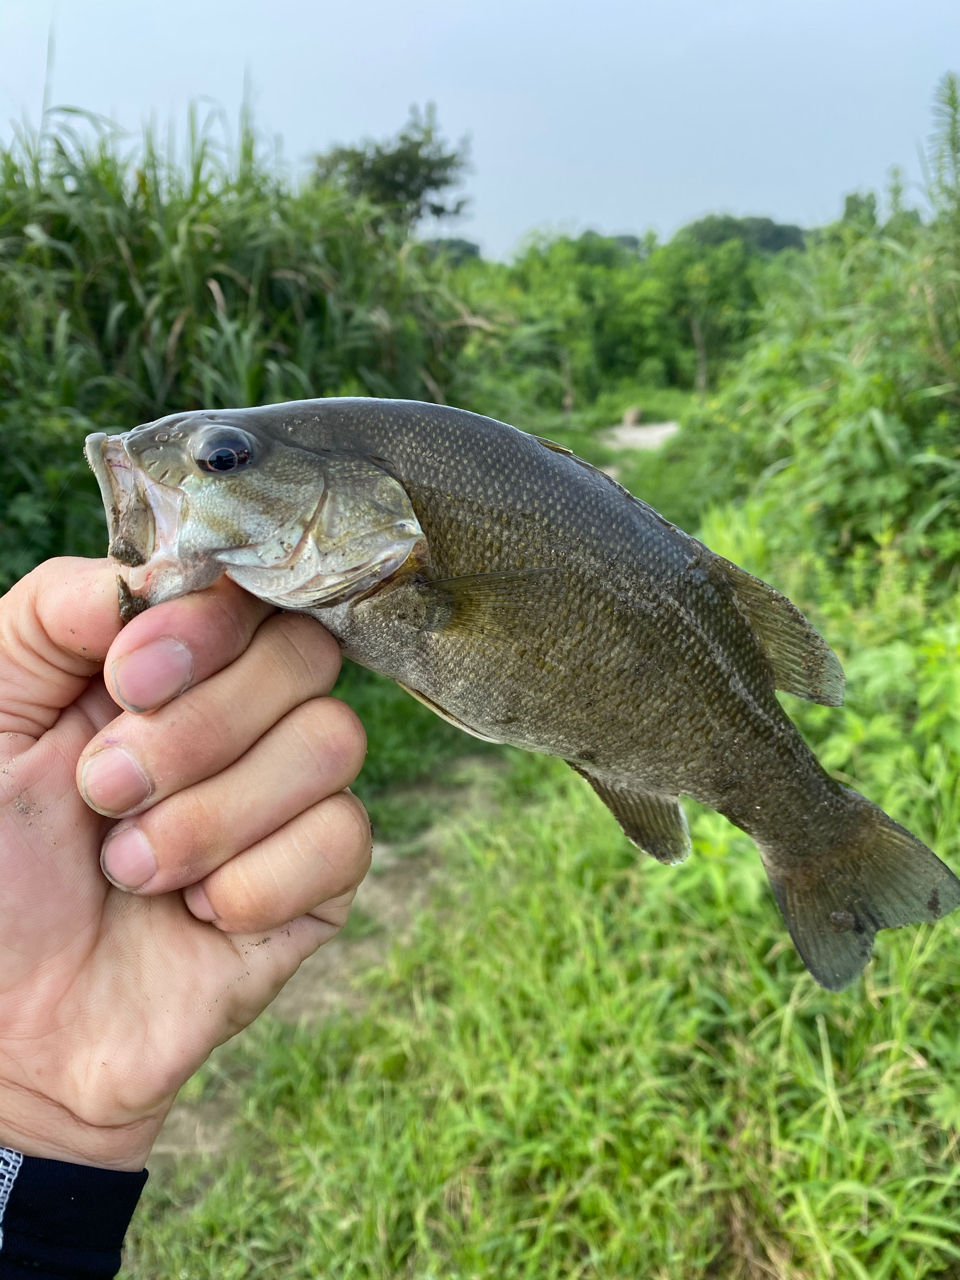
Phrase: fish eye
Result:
[221,451]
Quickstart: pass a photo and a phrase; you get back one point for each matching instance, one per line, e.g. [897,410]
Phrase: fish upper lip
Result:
[130,513]
[93,448]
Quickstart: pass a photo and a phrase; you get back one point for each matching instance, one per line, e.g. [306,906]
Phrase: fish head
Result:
[197,495]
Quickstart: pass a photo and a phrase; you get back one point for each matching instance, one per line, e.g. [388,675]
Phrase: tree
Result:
[711,284]
[404,175]
[761,235]
[453,249]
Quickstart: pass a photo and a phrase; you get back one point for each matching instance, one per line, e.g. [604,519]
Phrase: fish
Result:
[526,597]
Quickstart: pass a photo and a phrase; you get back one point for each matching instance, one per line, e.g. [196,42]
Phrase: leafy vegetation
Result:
[134,286]
[405,176]
[572,318]
[579,1065]
[843,417]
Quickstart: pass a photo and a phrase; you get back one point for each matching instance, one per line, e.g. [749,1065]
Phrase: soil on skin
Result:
[399,883]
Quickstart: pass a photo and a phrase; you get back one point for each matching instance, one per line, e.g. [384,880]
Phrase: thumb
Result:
[56,626]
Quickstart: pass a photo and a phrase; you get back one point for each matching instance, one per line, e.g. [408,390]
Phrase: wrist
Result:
[63,1219]
[39,1126]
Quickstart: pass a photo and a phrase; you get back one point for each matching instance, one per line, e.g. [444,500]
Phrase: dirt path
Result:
[630,435]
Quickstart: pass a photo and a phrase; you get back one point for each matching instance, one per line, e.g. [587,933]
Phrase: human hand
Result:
[110,999]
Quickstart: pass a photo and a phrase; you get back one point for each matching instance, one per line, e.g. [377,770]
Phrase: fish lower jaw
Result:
[130,515]
[163,578]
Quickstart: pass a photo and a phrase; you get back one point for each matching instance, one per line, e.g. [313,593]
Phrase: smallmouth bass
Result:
[529,599]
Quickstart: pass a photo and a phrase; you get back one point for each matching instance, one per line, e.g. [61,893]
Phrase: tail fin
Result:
[878,876]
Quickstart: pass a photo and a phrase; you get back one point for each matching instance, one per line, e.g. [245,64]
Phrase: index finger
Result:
[56,625]
[60,625]
[175,645]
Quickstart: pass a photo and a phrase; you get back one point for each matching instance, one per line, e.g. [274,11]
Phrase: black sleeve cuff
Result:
[63,1221]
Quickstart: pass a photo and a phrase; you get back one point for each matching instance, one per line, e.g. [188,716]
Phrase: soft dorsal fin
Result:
[656,823]
[803,663]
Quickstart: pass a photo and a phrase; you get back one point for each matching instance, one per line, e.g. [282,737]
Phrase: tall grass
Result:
[136,282]
[587,1065]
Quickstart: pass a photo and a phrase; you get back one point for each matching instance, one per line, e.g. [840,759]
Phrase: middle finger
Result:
[138,760]
[312,753]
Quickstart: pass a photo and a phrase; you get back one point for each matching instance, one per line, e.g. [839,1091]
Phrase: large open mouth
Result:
[129,512]
[144,519]
[150,533]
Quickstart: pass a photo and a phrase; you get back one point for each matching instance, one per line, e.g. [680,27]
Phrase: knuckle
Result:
[308,648]
[334,736]
[188,836]
[334,911]
[175,742]
[240,899]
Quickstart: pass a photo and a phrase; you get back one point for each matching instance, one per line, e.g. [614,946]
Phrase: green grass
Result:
[585,1064]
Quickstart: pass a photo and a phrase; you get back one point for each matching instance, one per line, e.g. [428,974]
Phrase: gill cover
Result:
[362,530]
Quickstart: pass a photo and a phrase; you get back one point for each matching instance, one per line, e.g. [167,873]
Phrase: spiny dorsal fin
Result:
[554,447]
[473,604]
[657,824]
[606,479]
[803,663]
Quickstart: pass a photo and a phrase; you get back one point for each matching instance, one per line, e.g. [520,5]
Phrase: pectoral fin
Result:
[482,602]
[654,822]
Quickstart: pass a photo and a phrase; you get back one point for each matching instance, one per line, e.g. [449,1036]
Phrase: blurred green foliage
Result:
[137,282]
[571,318]
[843,417]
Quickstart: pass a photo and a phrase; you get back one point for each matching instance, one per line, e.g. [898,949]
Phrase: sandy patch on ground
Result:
[628,435]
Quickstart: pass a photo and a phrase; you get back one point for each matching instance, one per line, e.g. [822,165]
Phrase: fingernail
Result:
[112,782]
[127,859]
[198,903]
[148,677]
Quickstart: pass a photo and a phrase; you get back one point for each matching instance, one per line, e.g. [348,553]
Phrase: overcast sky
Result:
[611,114]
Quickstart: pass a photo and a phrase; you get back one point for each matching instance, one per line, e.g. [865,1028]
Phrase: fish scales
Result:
[656,605]
[527,597]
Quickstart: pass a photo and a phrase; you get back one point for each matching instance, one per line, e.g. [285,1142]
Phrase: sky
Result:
[620,115]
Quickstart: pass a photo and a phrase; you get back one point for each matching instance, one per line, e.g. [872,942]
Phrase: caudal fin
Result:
[878,876]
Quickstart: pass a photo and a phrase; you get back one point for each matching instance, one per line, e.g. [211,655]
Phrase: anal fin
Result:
[656,823]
